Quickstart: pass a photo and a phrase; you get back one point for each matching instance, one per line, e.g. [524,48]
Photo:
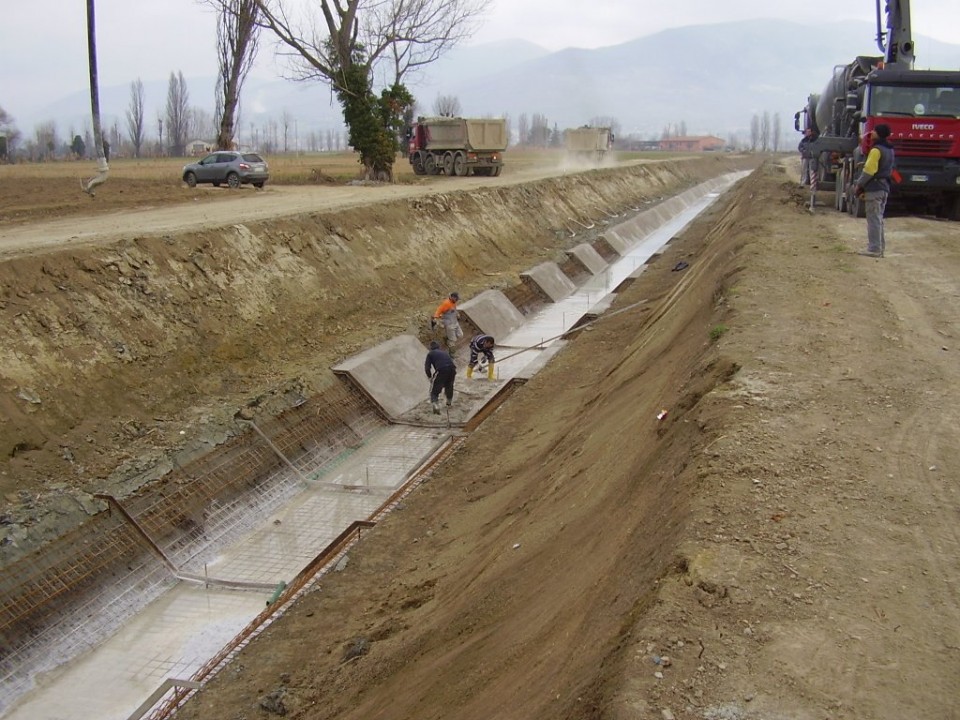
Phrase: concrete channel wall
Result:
[168,528]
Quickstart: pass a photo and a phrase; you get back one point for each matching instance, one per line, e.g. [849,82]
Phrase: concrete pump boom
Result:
[896,42]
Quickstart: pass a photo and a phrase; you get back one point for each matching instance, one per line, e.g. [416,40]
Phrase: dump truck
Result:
[588,143]
[921,107]
[457,146]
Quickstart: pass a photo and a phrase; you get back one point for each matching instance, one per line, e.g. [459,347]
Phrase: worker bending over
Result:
[481,343]
[442,371]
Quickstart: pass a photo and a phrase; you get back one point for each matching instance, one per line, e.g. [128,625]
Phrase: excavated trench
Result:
[186,510]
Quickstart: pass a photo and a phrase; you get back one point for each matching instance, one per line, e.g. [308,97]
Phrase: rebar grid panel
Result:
[226,519]
[277,545]
[65,566]
[71,628]
[174,514]
[46,598]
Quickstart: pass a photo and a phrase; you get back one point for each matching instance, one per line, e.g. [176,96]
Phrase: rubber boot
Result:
[490,371]
[436,407]
[469,372]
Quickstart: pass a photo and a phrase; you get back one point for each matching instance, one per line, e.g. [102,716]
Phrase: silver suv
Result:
[230,167]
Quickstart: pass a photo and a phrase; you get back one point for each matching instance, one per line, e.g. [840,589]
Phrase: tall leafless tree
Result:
[178,114]
[765,131]
[238,34]
[286,122]
[47,139]
[135,116]
[9,135]
[352,38]
[776,133]
[523,129]
[447,106]
[754,133]
[539,130]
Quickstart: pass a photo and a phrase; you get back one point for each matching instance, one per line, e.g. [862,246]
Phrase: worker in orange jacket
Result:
[446,315]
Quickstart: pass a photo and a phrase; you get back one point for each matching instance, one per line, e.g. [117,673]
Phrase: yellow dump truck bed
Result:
[477,134]
[587,139]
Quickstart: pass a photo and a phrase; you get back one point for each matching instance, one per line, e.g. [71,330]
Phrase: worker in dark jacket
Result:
[481,344]
[809,164]
[873,186]
[441,371]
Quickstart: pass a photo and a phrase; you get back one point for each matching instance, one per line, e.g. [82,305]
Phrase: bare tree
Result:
[9,135]
[776,132]
[447,106]
[523,129]
[46,139]
[178,114]
[238,33]
[353,38]
[135,116]
[201,124]
[286,120]
[765,131]
[754,133]
[539,130]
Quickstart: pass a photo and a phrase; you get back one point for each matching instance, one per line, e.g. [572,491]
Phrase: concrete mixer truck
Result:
[922,108]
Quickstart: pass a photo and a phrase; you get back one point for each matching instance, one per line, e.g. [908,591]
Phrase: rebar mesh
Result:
[105,571]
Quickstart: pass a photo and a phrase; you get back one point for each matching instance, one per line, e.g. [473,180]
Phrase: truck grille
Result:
[933,146]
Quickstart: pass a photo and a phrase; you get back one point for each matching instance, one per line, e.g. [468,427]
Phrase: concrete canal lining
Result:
[344,469]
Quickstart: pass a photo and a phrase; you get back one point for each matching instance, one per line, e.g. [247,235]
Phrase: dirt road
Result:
[138,215]
[783,544]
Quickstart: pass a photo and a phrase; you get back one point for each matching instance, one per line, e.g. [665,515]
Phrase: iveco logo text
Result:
[923,126]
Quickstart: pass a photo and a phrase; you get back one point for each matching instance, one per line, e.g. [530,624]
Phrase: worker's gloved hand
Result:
[859,192]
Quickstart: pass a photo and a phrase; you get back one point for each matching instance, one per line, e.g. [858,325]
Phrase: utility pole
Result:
[102,167]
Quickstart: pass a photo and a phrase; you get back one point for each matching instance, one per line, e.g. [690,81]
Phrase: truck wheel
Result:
[429,164]
[843,190]
[448,164]
[417,163]
[460,164]
[496,170]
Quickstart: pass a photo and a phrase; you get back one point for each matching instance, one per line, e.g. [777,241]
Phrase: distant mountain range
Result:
[712,78]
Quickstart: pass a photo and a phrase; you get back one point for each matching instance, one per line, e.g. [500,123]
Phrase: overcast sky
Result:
[43,43]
